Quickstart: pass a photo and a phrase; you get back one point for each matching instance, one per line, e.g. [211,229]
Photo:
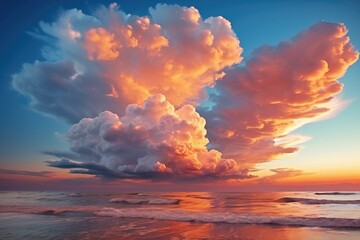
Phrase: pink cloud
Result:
[153,138]
[279,89]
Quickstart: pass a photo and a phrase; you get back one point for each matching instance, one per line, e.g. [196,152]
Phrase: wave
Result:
[220,217]
[186,216]
[46,210]
[105,194]
[206,198]
[335,193]
[52,212]
[149,201]
[77,194]
[50,199]
[318,201]
[199,197]
[91,194]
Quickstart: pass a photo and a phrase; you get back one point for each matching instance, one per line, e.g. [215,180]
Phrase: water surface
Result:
[190,215]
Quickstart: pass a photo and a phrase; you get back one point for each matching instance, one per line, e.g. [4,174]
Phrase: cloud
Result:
[279,89]
[86,168]
[131,85]
[152,139]
[281,173]
[60,154]
[26,173]
[112,59]
[286,172]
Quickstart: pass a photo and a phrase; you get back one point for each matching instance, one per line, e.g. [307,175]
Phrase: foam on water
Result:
[217,217]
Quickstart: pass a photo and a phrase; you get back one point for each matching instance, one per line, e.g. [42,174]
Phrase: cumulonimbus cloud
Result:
[153,138]
[150,140]
[112,59]
[132,84]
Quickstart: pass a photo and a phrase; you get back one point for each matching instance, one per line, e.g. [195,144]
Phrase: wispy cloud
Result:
[25,173]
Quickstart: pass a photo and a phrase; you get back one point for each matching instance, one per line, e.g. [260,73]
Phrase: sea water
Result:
[174,215]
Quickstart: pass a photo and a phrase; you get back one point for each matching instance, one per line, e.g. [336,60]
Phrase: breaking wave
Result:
[217,217]
[318,201]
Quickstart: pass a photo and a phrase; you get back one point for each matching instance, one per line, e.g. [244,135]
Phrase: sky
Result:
[154,95]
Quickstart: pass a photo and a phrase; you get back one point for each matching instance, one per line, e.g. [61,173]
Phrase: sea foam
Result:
[219,217]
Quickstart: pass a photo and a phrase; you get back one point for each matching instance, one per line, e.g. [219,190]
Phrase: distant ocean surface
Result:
[190,215]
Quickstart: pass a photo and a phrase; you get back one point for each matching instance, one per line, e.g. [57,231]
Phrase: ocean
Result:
[180,215]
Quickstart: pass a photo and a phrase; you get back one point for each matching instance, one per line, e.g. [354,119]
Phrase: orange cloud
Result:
[115,59]
[174,53]
[279,89]
[100,45]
